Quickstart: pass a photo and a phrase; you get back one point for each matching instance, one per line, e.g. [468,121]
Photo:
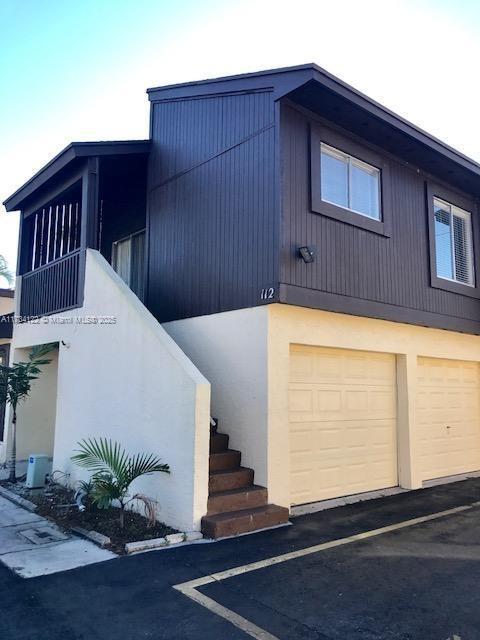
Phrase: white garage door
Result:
[342,413]
[448,417]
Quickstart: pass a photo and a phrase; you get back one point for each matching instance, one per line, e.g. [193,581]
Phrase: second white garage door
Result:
[448,417]
[342,414]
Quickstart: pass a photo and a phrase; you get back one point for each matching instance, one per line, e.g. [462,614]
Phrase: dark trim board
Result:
[281,81]
[323,301]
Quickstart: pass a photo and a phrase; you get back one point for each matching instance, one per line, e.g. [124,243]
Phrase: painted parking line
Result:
[190,588]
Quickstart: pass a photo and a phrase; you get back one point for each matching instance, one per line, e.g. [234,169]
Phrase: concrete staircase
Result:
[235,504]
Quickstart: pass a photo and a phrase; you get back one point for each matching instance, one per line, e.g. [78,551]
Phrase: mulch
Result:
[57,504]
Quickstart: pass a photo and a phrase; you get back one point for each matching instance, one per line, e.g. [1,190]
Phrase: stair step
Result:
[218,442]
[237,500]
[235,522]
[228,480]
[224,460]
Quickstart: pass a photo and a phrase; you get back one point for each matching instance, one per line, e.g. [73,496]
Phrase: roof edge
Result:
[396,119]
[238,76]
[68,154]
[284,81]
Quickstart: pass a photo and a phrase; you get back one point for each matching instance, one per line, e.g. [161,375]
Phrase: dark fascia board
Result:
[7,293]
[280,81]
[286,80]
[73,151]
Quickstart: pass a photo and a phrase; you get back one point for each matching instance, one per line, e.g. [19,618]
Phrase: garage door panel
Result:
[342,411]
[301,402]
[448,420]
[328,369]
[383,403]
[325,403]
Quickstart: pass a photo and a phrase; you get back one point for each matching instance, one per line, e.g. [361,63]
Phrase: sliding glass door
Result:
[128,260]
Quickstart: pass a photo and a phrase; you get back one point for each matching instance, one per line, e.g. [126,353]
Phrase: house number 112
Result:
[267,294]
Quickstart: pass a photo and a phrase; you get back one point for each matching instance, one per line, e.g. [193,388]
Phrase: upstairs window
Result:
[453,243]
[350,183]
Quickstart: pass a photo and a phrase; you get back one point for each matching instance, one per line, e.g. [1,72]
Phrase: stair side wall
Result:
[130,382]
[231,350]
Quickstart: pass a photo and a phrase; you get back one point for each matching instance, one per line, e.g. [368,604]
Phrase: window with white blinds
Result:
[453,242]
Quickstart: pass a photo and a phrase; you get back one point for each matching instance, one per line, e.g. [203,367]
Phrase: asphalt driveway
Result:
[417,582]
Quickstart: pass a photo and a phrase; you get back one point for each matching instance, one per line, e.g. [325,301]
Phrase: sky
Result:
[72,71]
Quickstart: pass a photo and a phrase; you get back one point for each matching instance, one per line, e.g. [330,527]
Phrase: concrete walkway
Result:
[33,546]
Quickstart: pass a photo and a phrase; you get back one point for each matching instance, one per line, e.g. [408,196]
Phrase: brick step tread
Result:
[224,460]
[226,452]
[242,513]
[235,492]
[243,521]
[228,472]
[218,442]
[237,499]
[230,479]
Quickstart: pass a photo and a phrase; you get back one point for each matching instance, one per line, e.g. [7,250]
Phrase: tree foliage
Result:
[5,272]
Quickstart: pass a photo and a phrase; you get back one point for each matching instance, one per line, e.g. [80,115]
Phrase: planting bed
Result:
[57,504]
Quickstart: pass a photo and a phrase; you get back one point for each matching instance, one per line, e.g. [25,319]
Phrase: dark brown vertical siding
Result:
[211,204]
[351,261]
[186,132]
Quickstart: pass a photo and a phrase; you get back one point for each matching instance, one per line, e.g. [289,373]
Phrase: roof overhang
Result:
[317,90]
[68,157]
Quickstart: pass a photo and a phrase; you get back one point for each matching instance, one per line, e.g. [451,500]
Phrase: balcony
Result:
[92,195]
[54,287]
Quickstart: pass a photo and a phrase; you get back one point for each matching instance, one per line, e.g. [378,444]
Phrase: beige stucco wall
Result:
[231,350]
[295,325]
[130,382]
[36,416]
[245,354]
[7,305]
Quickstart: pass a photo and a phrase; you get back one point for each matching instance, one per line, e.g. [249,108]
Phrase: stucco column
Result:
[408,468]
[278,424]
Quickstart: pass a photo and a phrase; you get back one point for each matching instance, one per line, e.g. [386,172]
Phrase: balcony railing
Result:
[55,287]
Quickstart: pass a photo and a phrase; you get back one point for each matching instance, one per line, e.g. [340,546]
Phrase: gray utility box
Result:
[39,466]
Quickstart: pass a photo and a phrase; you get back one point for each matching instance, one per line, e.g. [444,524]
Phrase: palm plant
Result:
[5,272]
[15,385]
[114,471]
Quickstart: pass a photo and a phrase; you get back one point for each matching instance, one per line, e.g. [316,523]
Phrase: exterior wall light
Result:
[306,254]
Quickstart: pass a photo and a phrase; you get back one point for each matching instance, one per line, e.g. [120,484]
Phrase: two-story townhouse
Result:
[312,254]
